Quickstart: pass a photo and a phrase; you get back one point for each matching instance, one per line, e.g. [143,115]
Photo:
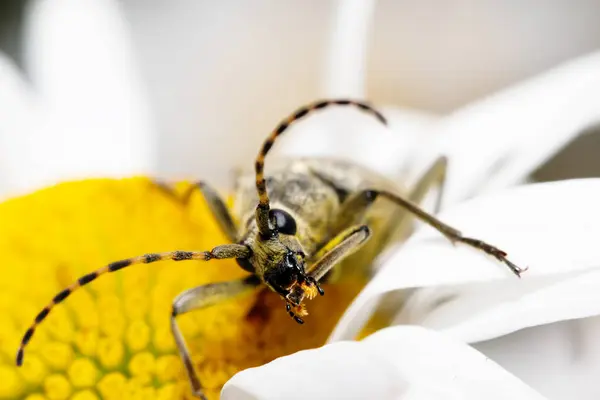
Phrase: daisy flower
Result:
[111,339]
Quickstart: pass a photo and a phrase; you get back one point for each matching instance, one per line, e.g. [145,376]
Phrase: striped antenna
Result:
[220,252]
[262,210]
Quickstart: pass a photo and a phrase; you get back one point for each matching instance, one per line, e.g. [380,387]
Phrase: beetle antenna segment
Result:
[226,251]
[262,211]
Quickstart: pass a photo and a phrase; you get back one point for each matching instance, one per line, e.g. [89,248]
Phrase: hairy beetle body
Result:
[312,191]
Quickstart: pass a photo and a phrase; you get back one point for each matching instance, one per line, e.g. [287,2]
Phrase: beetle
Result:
[315,214]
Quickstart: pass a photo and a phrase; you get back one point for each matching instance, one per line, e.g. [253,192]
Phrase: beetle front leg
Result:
[338,248]
[198,298]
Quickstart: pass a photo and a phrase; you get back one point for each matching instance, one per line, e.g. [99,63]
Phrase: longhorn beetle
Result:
[314,214]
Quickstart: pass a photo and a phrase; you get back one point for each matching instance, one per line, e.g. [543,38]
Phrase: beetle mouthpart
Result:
[310,290]
[297,310]
[296,295]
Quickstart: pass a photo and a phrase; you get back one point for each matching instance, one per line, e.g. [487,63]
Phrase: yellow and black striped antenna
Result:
[118,265]
[262,210]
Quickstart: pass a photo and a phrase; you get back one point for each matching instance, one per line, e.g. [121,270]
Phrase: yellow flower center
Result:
[111,339]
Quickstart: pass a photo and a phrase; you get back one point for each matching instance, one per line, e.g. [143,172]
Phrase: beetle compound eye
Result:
[286,224]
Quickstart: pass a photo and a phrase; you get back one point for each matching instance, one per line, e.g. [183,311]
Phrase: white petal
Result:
[19,113]
[34,147]
[561,360]
[484,311]
[408,363]
[551,228]
[346,60]
[79,58]
[31,150]
[499,140]
[346,370]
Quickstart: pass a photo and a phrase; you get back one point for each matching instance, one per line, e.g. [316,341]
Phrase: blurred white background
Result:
[221,74]
[232,70]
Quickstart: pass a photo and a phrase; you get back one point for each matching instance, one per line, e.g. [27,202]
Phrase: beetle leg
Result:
[453,234]
[215,204]
[399,226]
[198,298]
[360,202]
[338,248]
